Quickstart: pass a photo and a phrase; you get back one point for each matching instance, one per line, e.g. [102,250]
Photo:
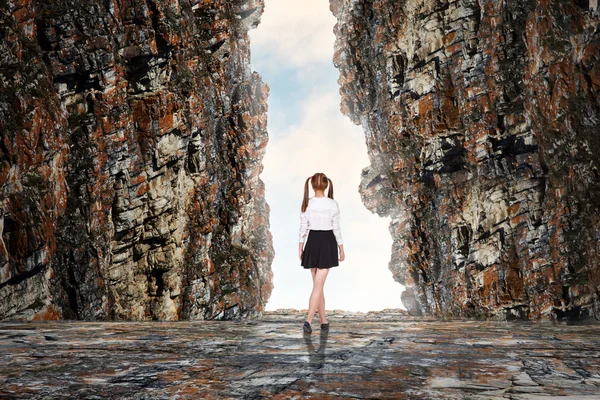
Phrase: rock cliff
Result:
[131,139]
[482,122]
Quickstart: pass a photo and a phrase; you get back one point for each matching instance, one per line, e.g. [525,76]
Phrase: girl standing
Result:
[320,219]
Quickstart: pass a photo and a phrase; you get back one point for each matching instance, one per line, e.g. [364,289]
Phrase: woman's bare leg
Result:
[317,297]
[321,306]
[313,272]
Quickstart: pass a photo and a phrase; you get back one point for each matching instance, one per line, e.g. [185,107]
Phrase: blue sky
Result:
[292,49]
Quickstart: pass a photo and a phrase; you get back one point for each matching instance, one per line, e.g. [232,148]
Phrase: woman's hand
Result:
[342,254]
[300,250]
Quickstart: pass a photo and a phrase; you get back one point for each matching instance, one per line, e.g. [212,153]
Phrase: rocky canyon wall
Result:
[131,139]
[482,122]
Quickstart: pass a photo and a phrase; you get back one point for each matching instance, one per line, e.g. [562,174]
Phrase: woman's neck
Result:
[319,193]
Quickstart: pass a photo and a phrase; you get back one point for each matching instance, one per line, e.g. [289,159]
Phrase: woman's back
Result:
[322,213]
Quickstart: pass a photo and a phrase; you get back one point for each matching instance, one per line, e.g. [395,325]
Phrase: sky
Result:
[292,49]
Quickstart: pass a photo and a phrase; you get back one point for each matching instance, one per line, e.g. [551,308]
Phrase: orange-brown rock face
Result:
[131,139]
[482,120]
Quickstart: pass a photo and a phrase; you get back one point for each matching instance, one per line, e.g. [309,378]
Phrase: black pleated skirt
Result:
[320,250]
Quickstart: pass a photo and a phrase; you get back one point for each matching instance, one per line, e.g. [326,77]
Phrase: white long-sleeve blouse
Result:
[322,213]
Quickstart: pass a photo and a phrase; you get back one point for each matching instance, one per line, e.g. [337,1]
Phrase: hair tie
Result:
[310,177]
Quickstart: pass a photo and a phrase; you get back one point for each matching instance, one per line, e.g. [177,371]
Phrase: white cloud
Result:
[292,49]
[295,33]
[325,141]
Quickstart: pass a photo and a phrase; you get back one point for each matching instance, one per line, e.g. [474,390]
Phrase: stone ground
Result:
[378,355]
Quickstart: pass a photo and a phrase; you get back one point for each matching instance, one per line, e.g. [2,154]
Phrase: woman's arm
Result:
[335,222]
[303,226]
[302,232]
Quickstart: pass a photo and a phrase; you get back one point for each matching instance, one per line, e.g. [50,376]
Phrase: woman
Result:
[320,219]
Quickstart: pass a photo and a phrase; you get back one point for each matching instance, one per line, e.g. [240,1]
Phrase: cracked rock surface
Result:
[131,142]
[481,120]
[383,355]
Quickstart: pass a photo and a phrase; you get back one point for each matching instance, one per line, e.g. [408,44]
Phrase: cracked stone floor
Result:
[382,355]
